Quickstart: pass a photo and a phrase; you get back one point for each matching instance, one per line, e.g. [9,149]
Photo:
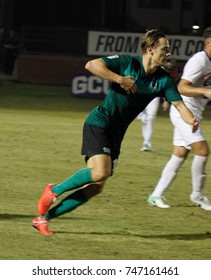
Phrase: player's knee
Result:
[97,189]
[93,190]
[203,151]
[151,117]
[100,175]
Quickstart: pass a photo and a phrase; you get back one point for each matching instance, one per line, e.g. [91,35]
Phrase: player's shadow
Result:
[170,236]
[6,216]
[182,236]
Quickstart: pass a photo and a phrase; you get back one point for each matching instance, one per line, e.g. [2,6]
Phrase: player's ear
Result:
[150,50]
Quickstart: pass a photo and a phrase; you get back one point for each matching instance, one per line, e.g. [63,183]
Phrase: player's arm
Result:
[185,87]
[165,105]
[186,115]
[99,68]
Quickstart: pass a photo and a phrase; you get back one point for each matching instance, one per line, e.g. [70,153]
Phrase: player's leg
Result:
[200,148]
[179,154]
[51,192]
[198,171]
[98,169]
[167,177]
[142,117]
[170,170]
[148,124]
[77,198]
[97,164]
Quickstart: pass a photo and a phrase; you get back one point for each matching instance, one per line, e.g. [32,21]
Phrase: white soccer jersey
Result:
[198,66]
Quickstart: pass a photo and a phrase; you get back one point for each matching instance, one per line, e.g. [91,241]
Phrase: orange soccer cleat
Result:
[46,200]
[41,224]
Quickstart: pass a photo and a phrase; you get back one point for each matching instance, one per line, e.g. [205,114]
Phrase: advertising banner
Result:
[89,86]
[108,43]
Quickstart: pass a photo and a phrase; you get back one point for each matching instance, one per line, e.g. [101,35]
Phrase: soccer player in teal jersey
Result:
[135,81]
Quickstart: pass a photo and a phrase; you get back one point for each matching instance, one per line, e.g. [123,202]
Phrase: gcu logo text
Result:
[89,85]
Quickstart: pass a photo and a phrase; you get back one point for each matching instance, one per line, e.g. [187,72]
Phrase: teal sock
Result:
[77,180]
[67,204]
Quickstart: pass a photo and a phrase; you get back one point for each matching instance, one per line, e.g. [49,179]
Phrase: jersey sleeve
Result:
[171,93]
[193,69]
[117,63]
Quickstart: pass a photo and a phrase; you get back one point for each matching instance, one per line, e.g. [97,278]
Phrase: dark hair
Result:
[207,33]
[151,38]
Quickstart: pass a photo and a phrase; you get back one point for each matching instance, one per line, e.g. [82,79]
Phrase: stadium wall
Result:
[49,69]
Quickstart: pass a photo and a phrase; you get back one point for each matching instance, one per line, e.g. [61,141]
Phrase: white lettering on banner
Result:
[116,44]
[109,43]
[89,84]
[184,47]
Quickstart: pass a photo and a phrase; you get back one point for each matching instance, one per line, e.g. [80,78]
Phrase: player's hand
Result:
[207,94]
[128,84]
[194,124]
[207,78]
[165,105]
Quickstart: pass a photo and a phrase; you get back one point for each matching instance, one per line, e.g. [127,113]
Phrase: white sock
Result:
[198,174]
[168,174]
[147,130]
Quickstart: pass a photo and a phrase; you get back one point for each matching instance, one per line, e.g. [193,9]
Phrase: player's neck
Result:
[149,66]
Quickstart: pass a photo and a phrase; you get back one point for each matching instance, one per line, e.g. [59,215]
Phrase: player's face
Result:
[161,52]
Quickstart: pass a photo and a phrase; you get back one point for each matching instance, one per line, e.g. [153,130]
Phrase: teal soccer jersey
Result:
[119,109]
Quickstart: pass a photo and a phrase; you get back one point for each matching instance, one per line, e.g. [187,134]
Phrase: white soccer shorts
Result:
[183,136]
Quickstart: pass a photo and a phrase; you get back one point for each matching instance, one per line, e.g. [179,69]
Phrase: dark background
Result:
[68,13]
[105,14]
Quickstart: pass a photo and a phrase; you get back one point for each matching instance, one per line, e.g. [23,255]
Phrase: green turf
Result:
[40,143]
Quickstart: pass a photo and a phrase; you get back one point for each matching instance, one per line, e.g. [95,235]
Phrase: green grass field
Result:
[40,137]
